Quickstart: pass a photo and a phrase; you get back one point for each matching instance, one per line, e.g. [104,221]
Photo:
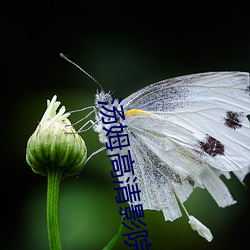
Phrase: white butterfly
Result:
[184,133]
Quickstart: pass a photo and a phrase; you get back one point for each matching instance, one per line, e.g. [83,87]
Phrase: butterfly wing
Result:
[213,106]
[186,132]
[166,168]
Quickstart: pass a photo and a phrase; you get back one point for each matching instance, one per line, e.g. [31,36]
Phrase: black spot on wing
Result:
[212,146]
[233,119]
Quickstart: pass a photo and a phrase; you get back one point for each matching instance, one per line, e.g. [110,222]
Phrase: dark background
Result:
[125,46]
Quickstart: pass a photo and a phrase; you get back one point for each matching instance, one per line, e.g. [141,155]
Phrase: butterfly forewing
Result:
[210,106]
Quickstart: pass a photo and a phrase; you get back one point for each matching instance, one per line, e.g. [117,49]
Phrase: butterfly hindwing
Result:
[168,162]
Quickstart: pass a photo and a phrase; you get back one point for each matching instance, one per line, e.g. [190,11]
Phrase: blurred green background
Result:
[125,46]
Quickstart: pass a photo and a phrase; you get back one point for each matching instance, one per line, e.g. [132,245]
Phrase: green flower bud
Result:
[55,144]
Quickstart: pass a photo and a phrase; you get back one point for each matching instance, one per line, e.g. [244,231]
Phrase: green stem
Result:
[54,177]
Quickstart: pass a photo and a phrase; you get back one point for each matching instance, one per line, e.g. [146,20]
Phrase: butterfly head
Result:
[104,103]
[102,97]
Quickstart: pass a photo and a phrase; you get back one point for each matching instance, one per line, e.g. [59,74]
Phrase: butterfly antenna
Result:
[90,76]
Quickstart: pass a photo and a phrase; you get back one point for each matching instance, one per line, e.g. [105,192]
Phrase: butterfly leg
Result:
[83,127]
[86,116]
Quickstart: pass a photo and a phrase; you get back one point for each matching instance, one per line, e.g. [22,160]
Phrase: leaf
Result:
[112,242]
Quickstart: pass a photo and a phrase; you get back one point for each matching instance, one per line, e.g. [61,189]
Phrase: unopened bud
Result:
[55,143]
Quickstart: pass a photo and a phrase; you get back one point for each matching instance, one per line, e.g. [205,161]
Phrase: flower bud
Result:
[55,144]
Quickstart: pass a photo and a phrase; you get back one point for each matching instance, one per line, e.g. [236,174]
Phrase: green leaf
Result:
[110,245]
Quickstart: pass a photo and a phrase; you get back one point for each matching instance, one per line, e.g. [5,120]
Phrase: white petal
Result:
[51,114]
[200,228]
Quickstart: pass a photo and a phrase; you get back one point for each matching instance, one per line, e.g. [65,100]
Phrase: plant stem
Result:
[54,177]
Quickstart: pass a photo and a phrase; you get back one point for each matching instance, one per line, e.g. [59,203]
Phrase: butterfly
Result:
[185,132]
